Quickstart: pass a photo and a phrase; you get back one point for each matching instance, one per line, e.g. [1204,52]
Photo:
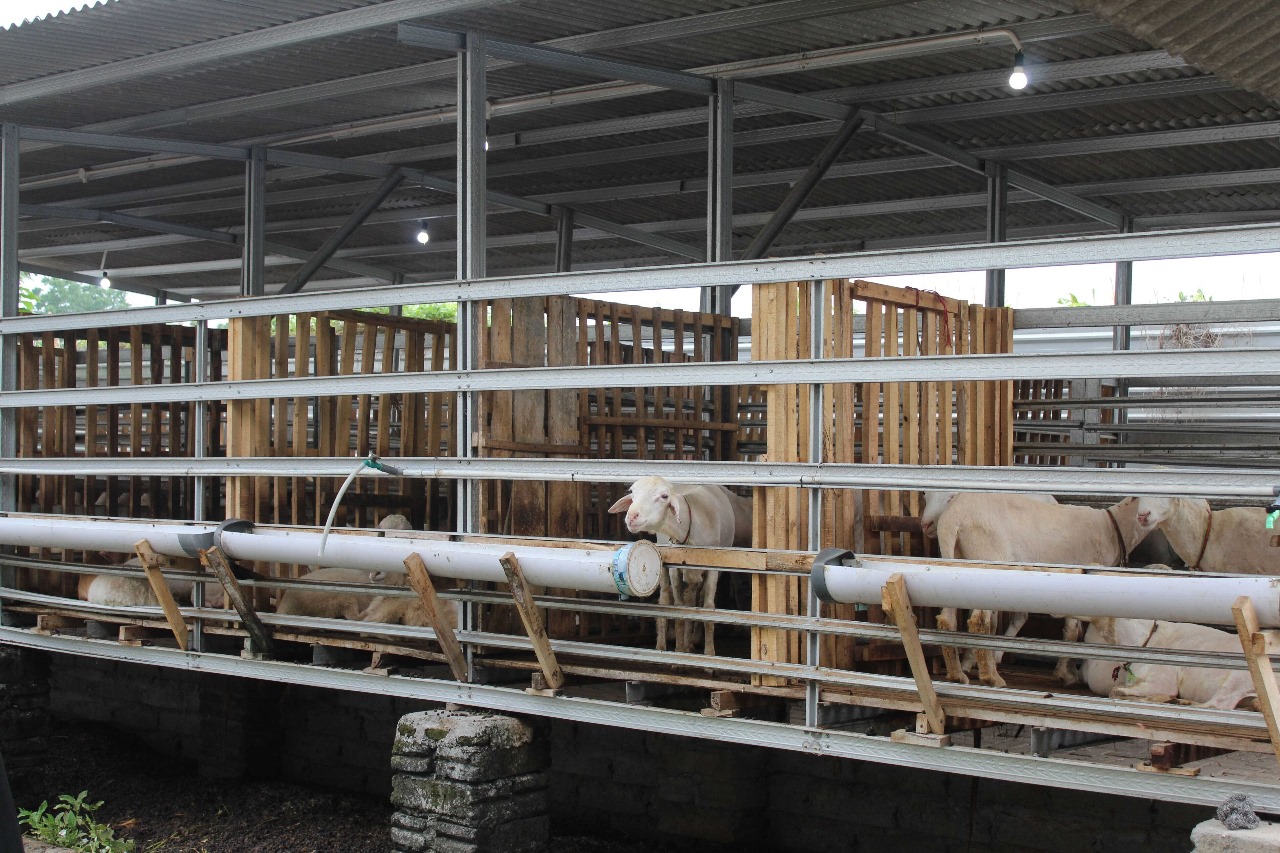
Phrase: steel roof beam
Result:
[231,47]
[690,26]
[144,224]
[140,289]
[931,144]
[610,69]
[1062,26]
[322,255]
[802,188]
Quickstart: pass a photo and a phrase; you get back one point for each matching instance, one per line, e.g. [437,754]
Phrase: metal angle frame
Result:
[1148,314]
[1123,781]
[804,103]
[1207,481]
[1055,251]
[230,47]
[1147,364]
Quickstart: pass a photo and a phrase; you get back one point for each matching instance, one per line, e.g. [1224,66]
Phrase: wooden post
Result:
[216,561]
[1254,643]
[151,565]
[532,620]
[895,601]
[421,582]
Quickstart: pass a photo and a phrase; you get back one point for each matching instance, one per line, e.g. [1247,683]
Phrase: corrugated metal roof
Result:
[1238,41]
[634,157]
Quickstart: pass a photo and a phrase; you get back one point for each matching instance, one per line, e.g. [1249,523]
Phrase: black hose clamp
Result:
[818,575]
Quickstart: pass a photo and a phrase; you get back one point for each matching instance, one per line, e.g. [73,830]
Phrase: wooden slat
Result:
[151,565]
[1254,643]
[896,603]
[531,617]
[214,560]
[420,580]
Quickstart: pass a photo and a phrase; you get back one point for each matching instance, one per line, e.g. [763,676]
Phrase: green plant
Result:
[70,824]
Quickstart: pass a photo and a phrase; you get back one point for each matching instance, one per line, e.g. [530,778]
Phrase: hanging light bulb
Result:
[1018,79]
[424,236]
[105,281]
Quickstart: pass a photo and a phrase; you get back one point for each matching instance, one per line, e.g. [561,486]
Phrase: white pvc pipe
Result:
[1176,599]
[632,569]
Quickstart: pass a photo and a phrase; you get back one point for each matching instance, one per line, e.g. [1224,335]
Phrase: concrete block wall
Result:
[620,783]
[24,711]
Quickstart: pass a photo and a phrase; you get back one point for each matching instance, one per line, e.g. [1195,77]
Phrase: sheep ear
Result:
[674,506]
[622,505]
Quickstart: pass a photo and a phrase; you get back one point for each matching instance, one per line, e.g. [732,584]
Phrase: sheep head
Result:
[395,521]
[647,504]
[1153,512]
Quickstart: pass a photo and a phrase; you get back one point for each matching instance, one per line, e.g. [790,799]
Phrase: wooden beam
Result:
[420,580]
[151,565]
[532,619]
[216,561]
[1254,643]
[895,601]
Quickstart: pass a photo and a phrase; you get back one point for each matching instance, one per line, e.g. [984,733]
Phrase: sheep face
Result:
[1152,512]
[648,504]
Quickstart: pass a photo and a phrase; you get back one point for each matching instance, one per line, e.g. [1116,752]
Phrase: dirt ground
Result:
[163,806]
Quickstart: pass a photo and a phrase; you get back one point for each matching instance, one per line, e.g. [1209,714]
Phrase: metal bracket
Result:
[817,572]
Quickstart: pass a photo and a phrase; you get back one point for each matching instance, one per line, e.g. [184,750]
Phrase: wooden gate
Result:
[927,423]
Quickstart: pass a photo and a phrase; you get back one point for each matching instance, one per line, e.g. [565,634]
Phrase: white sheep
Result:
[686,515]
[332,604]
[1006,528]
[403,610]
[121,591]
[1231,540]
[1208,688]
[936,502]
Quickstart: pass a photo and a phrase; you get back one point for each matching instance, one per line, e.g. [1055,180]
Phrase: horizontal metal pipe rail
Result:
[636,608]
[1056,480]
[937,368]
[1057,251]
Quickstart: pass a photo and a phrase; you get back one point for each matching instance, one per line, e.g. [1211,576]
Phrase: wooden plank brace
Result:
[151,565]
[895,601]
[420,580]
[1254,643]
[532,619]
[216,562]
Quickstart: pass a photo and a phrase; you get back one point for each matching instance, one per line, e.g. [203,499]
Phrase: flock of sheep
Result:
[1014,528]
[132,591]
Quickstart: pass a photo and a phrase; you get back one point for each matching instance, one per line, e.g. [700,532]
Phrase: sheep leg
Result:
[664,598]
[680,592]
[946,621]
[1068,670]
[981,622]
[1016,621]
[709,604]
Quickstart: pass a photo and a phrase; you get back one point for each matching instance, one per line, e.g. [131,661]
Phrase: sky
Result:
[1221,278]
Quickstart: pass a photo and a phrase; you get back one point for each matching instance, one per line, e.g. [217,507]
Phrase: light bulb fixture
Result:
[105,280]
[424,236]
[1018,79]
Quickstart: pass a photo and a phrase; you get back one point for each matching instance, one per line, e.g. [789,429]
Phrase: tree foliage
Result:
[46,295]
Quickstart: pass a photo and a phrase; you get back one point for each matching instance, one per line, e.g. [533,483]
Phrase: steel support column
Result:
[997,209]
[9,299]
[253,268]
[719,192]
[564,239]
[470,265]
[1120,336]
